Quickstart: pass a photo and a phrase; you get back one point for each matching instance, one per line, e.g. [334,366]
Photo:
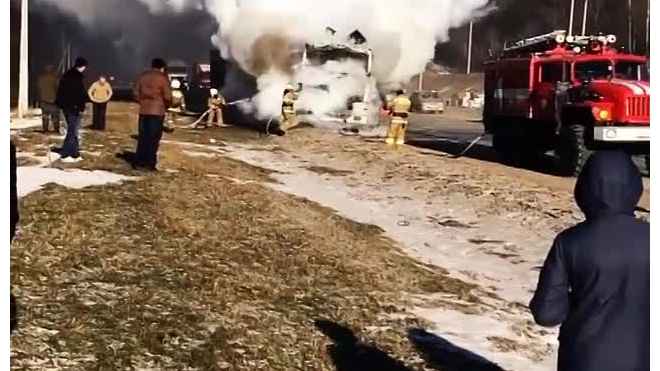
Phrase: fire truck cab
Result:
[570,94]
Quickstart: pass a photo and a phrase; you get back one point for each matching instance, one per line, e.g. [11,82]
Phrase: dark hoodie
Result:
[595,280]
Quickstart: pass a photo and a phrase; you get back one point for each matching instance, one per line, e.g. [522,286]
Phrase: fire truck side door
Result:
[543,97]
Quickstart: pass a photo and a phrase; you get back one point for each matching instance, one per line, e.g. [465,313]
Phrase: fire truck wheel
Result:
[572,150]
[505,149]
[515,151]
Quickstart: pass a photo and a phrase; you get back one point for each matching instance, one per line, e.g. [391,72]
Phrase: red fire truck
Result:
[570,94]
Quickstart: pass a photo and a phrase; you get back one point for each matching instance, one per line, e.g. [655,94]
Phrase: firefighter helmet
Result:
[213,91]
[175,84]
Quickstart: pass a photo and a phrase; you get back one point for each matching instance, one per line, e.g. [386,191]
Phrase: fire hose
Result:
[207,112]
[477,139]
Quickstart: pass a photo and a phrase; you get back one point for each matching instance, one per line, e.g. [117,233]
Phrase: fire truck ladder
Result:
[535,44]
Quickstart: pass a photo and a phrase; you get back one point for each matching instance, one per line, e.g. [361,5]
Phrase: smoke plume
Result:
[259,35]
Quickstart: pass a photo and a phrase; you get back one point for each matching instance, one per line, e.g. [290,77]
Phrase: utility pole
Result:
[420,82]
[630,29]
[23,64]
[584,17]
[469,56]
[648,28]
[570,18]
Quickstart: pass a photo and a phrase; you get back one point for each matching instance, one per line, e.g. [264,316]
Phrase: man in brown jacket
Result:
[47,85]
[153,93]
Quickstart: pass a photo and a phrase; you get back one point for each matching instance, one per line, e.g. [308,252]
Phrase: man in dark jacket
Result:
[153,93]
[71,98]
[595,281]
[13,221]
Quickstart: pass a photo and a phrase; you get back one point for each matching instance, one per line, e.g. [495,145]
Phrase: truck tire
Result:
[520,148]
[572,150]
[506,149]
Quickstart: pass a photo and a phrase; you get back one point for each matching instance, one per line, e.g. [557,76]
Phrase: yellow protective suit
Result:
[289,118]
[177,107]
[399,107]
[215,110]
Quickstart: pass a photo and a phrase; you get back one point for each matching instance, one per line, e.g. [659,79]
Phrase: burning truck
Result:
[342,64]
[361,107]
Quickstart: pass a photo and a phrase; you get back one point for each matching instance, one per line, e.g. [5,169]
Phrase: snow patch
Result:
[33,178]
[467,253]
[24,123]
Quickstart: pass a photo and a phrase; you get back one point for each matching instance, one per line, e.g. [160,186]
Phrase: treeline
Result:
[523,18]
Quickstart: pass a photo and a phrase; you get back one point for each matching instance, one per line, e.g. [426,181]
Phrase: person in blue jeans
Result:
[153,93]
[71,99]
[150,132]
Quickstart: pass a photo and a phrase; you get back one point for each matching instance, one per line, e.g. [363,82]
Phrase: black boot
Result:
[13,313]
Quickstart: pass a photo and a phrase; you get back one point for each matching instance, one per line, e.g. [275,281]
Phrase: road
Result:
[452,131]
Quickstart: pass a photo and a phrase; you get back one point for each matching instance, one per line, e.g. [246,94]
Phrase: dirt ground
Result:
[230,255]
[198,267]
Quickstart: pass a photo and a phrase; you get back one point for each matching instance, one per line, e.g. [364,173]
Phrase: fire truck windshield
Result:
[630,70]
[605,69]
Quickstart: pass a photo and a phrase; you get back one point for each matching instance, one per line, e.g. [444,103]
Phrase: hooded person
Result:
[595,281]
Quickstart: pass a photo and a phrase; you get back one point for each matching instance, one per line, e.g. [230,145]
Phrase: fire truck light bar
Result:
[542,43]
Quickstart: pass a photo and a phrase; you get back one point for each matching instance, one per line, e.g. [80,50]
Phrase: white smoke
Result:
[257,34]
[402,36]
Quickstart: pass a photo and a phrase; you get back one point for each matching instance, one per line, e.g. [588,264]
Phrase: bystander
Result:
[71,98]
[153,93]
[47,87]
[13,221]
[595,281]
[99,93]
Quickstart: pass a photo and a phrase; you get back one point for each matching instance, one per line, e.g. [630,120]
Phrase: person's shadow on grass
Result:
[348,353]
[440,354]
[128,156]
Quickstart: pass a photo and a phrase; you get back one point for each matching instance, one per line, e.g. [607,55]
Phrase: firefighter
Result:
[178,105]
[215,103]
[289,98]
[399,107]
